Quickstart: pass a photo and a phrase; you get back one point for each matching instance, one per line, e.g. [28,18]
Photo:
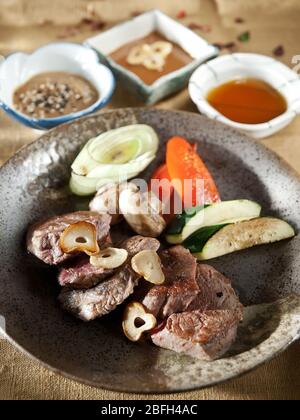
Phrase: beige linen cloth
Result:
[27,24]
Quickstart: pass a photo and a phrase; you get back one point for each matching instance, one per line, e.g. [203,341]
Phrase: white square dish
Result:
[110,41]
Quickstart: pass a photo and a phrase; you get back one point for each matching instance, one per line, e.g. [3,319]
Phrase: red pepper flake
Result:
[239,20]
[98,25]
[279,51]
[136,13]
[95,24]
[46,22]
[225,46]
[181,14]
[68,32]
[87,21]
[196,26]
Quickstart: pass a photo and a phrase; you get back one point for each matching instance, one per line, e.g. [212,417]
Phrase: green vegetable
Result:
[196,242]
[247,234]
[222,213]
[181,220]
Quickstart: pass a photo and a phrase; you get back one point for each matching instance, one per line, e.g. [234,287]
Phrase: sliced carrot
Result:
[184,163]
[164,192]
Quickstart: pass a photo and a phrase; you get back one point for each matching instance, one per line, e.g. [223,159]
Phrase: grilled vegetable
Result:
[239,236]
[107,198]
[161,185]
[196,242]
[114,156]
[184,163]
[142,212]
[226,212]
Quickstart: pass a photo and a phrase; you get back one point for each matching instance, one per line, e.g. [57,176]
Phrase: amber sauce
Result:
[247,101]
[176,60]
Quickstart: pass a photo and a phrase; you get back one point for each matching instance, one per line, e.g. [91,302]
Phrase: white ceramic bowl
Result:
[113,39]
[17,68]
[229,67]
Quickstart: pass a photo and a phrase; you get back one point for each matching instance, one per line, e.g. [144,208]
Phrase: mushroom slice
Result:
[136,321]
[80,237]
[148,265]
[109,258]
[143,216]
[107,200]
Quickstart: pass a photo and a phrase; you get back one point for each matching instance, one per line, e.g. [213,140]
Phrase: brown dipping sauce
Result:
[247,101]
[176,60]
[54,94]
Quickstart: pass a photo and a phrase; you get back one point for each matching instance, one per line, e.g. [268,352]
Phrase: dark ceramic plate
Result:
[33,185]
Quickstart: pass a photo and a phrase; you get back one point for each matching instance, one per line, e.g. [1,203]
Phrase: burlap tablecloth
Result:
[27,24]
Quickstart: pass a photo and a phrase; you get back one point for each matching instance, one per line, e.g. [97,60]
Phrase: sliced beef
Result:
[82,275]
[199,309]
[43,238]
[215,291]
[137,244]
[189,287]
[104,298]
[180,287]
[204,335]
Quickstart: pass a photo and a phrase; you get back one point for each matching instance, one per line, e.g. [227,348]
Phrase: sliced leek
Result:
[132,168]
[115,156]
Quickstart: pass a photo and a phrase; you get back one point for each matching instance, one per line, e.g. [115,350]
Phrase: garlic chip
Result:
[136,321]
[110,258]
[148,265]
[80,237]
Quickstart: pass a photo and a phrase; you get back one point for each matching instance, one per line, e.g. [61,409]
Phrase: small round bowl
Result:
[17,68]
[233,66]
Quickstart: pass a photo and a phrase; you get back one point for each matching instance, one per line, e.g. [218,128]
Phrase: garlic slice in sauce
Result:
[152,56]
[138,54]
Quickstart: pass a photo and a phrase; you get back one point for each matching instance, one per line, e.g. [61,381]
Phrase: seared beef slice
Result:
[200,308]
[189,286]
[43,238]
[204,335]
[215,291]
[137,244]
[104,298]
[180,287]
[82,275]
[101,300]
